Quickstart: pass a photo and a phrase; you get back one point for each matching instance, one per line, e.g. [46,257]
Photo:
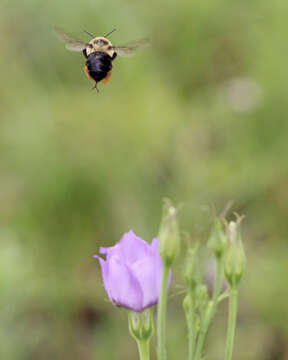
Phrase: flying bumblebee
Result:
[99,53]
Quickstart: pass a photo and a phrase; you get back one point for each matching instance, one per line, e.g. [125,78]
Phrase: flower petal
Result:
[154,245]
[154,248]
[105,274]
[112,251]
[148,273]
[133,248]
[123,286]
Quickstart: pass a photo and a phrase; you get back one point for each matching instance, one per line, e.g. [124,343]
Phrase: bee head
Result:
[101,44]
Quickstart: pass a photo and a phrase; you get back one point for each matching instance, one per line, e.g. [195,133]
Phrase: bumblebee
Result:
[99,53]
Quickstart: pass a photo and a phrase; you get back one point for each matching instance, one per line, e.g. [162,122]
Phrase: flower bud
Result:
[234,262]
[141,324]
[202,295]
[169,239]
[202,299]
[191,267]
[217,242]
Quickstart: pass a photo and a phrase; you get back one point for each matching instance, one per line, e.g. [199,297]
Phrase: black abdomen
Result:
[98,65]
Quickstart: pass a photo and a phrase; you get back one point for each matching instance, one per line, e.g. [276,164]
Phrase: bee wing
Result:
[71,44]
[130,48]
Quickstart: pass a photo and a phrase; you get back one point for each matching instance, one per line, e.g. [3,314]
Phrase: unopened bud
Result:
[218,240]
[191,267]
[234,264]
[169,239]
[202,296]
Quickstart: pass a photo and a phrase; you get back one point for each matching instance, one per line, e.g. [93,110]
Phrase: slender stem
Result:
[210,311]
[161,316]
[190,315]
[231,323]
[204,324]
[143,348]
[218,281]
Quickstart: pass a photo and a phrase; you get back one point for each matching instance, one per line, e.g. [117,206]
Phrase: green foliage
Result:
[199,118]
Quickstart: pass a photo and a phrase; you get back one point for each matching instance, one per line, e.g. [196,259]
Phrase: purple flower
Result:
[132,272]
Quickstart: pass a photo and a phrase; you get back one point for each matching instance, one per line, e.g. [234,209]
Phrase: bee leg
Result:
[95,87]
[85,53]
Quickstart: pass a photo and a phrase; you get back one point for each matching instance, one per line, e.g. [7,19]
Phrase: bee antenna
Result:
[88,33]
[110,33]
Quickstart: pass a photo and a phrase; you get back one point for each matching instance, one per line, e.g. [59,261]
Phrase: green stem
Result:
[143,348]
[161,316]
[190,316]
[218,282]
[204,324]
[231,323]
[210,311]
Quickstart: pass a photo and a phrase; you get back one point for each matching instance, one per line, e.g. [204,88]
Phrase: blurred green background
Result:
[199,117]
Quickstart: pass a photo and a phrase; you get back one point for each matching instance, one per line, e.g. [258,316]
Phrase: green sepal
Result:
[141,324]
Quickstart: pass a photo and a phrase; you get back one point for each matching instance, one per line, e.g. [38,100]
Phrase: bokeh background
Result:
[200,117]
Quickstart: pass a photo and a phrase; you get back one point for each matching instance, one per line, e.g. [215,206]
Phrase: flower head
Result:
[131,272]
